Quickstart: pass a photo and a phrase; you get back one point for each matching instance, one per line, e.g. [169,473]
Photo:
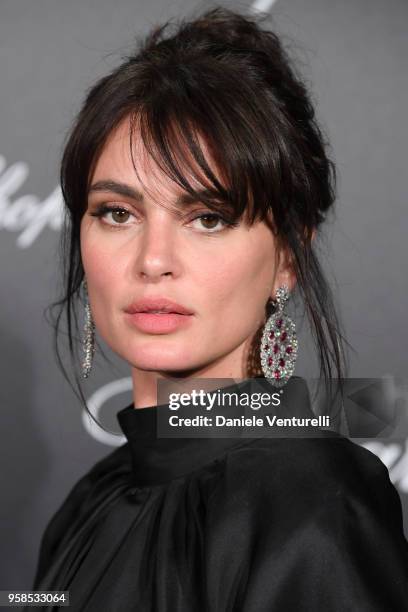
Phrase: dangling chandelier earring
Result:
[279,343]
[89,337]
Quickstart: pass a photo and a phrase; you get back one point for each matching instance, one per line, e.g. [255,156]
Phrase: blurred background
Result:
[353,54]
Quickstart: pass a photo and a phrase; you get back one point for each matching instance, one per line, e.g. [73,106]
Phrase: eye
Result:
[119,214]
[211,220]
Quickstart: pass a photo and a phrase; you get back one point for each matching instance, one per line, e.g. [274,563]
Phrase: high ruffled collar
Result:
[158,459]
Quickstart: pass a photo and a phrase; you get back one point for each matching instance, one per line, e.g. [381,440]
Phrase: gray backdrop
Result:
[353,53]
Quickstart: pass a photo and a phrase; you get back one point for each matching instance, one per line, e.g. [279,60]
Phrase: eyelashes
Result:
[102,210]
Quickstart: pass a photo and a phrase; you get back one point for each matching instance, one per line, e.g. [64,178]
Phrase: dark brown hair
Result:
[223,76]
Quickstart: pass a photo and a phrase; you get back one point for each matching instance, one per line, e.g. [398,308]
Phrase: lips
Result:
[159,305]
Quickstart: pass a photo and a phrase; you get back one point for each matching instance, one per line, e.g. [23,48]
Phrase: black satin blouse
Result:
[283,524]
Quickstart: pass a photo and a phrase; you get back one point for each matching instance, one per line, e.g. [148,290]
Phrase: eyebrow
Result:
[130,192]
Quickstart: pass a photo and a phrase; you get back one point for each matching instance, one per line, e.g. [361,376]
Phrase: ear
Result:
[284,273]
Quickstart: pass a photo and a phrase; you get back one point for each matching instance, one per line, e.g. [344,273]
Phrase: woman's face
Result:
[223,275]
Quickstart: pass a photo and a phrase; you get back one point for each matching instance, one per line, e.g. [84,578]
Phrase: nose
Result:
[157,254]
[153,275]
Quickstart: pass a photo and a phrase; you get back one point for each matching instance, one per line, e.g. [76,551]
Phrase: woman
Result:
[196,179]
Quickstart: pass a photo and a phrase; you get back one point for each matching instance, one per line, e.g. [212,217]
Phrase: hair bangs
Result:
[197,157]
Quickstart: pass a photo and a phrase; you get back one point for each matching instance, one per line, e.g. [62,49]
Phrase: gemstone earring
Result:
[279,343]
[89,337]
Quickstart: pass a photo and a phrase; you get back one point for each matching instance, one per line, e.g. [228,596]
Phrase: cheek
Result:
[238,286]
[101,268]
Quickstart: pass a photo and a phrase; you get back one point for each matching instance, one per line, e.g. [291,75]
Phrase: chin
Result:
[159,363]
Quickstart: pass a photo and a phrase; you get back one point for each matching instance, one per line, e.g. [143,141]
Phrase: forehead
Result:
[143,171]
